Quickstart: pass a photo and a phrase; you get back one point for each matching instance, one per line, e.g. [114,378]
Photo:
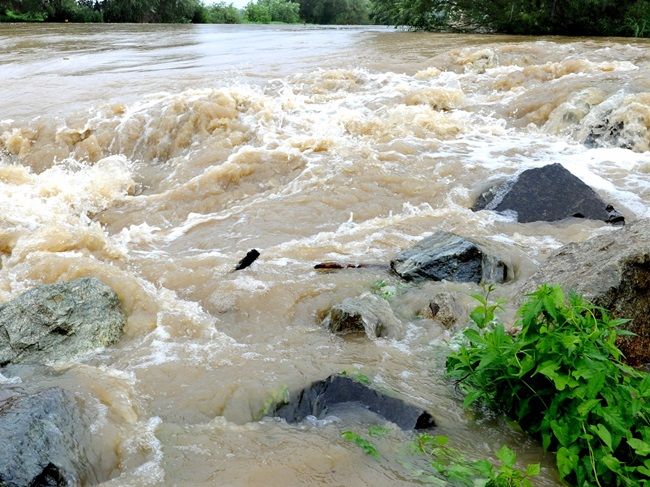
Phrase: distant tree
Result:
[335,11]
[570,17]
[267,11]
[221,13]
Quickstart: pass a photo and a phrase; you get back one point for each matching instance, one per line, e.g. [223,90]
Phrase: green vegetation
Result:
[560,376]
[449,466]
[569,17]
[267,11]
[186,11]
[341,12]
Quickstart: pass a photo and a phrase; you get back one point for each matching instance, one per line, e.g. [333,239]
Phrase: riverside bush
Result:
[560,376]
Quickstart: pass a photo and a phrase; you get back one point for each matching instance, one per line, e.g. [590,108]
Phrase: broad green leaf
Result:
[567,461]
[604,434]
[506,456]
[639,446]
[533,470]
[587,406]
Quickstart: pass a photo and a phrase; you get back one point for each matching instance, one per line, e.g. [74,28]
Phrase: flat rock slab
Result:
[367,314]
[548,193]
[319,397]
[41,436]
[612,271]
[446,256]
[59,321]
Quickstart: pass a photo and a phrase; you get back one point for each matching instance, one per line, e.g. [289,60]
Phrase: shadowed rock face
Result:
[319,397]
[367,314]
[445,256]
[613,271]
[59,321]
[548,193]
[42,436]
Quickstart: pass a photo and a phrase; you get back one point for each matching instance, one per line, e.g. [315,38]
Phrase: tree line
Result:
[537,17]
[186,11]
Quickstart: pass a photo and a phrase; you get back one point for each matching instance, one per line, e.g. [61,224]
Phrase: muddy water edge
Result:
[155,157]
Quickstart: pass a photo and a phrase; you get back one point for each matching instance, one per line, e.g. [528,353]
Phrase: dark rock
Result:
[367,314]
[445,256]
[612,271]
[548,193]
[251,257]
[59,321]
[41,436]
[319,397]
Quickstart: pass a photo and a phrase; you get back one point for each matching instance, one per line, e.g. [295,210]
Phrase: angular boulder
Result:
[42,436]
[59,321]
[367,314]
[318,398]
[548,193]
[612,271]
[446,256]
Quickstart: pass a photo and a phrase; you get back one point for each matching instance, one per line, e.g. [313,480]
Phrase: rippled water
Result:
[154,157]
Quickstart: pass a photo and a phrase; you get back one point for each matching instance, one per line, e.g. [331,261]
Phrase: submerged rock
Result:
[320,397]
[42,436]
[445,256]
[367,314]
[548,193]
[444,309]
[612,271]
[59,321]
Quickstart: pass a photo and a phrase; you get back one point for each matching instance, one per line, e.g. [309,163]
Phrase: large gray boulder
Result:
[613,271]
[42,437]
[548,193]
[367,314]
[446,256]
[59,321]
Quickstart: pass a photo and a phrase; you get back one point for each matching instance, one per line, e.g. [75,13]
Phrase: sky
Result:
[236,3]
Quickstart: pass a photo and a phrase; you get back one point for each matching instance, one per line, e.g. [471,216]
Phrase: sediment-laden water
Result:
[155,157]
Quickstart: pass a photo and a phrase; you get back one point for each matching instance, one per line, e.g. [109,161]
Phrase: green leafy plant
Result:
[456,469]
[361,442]
[562,379]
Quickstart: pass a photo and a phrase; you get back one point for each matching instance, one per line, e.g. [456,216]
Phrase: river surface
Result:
[154,157]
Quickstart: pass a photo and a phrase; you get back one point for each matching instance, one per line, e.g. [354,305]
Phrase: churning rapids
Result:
[154,157]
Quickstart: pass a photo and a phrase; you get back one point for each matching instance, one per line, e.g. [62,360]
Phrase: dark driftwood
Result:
[251,257]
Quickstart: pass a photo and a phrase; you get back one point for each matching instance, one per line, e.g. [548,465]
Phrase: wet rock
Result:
[367,314]
[320,397]
[248,259]
[444,309]
[41,436]
[613,271]
[445,256]
[59,321]
[548,193]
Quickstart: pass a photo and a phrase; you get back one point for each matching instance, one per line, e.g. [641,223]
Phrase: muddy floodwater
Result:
[155,157]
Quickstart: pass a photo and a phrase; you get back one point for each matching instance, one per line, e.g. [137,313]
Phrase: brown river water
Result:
[154,157]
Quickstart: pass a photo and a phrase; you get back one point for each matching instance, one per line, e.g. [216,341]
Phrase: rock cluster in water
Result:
[59,321]
[42,433]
